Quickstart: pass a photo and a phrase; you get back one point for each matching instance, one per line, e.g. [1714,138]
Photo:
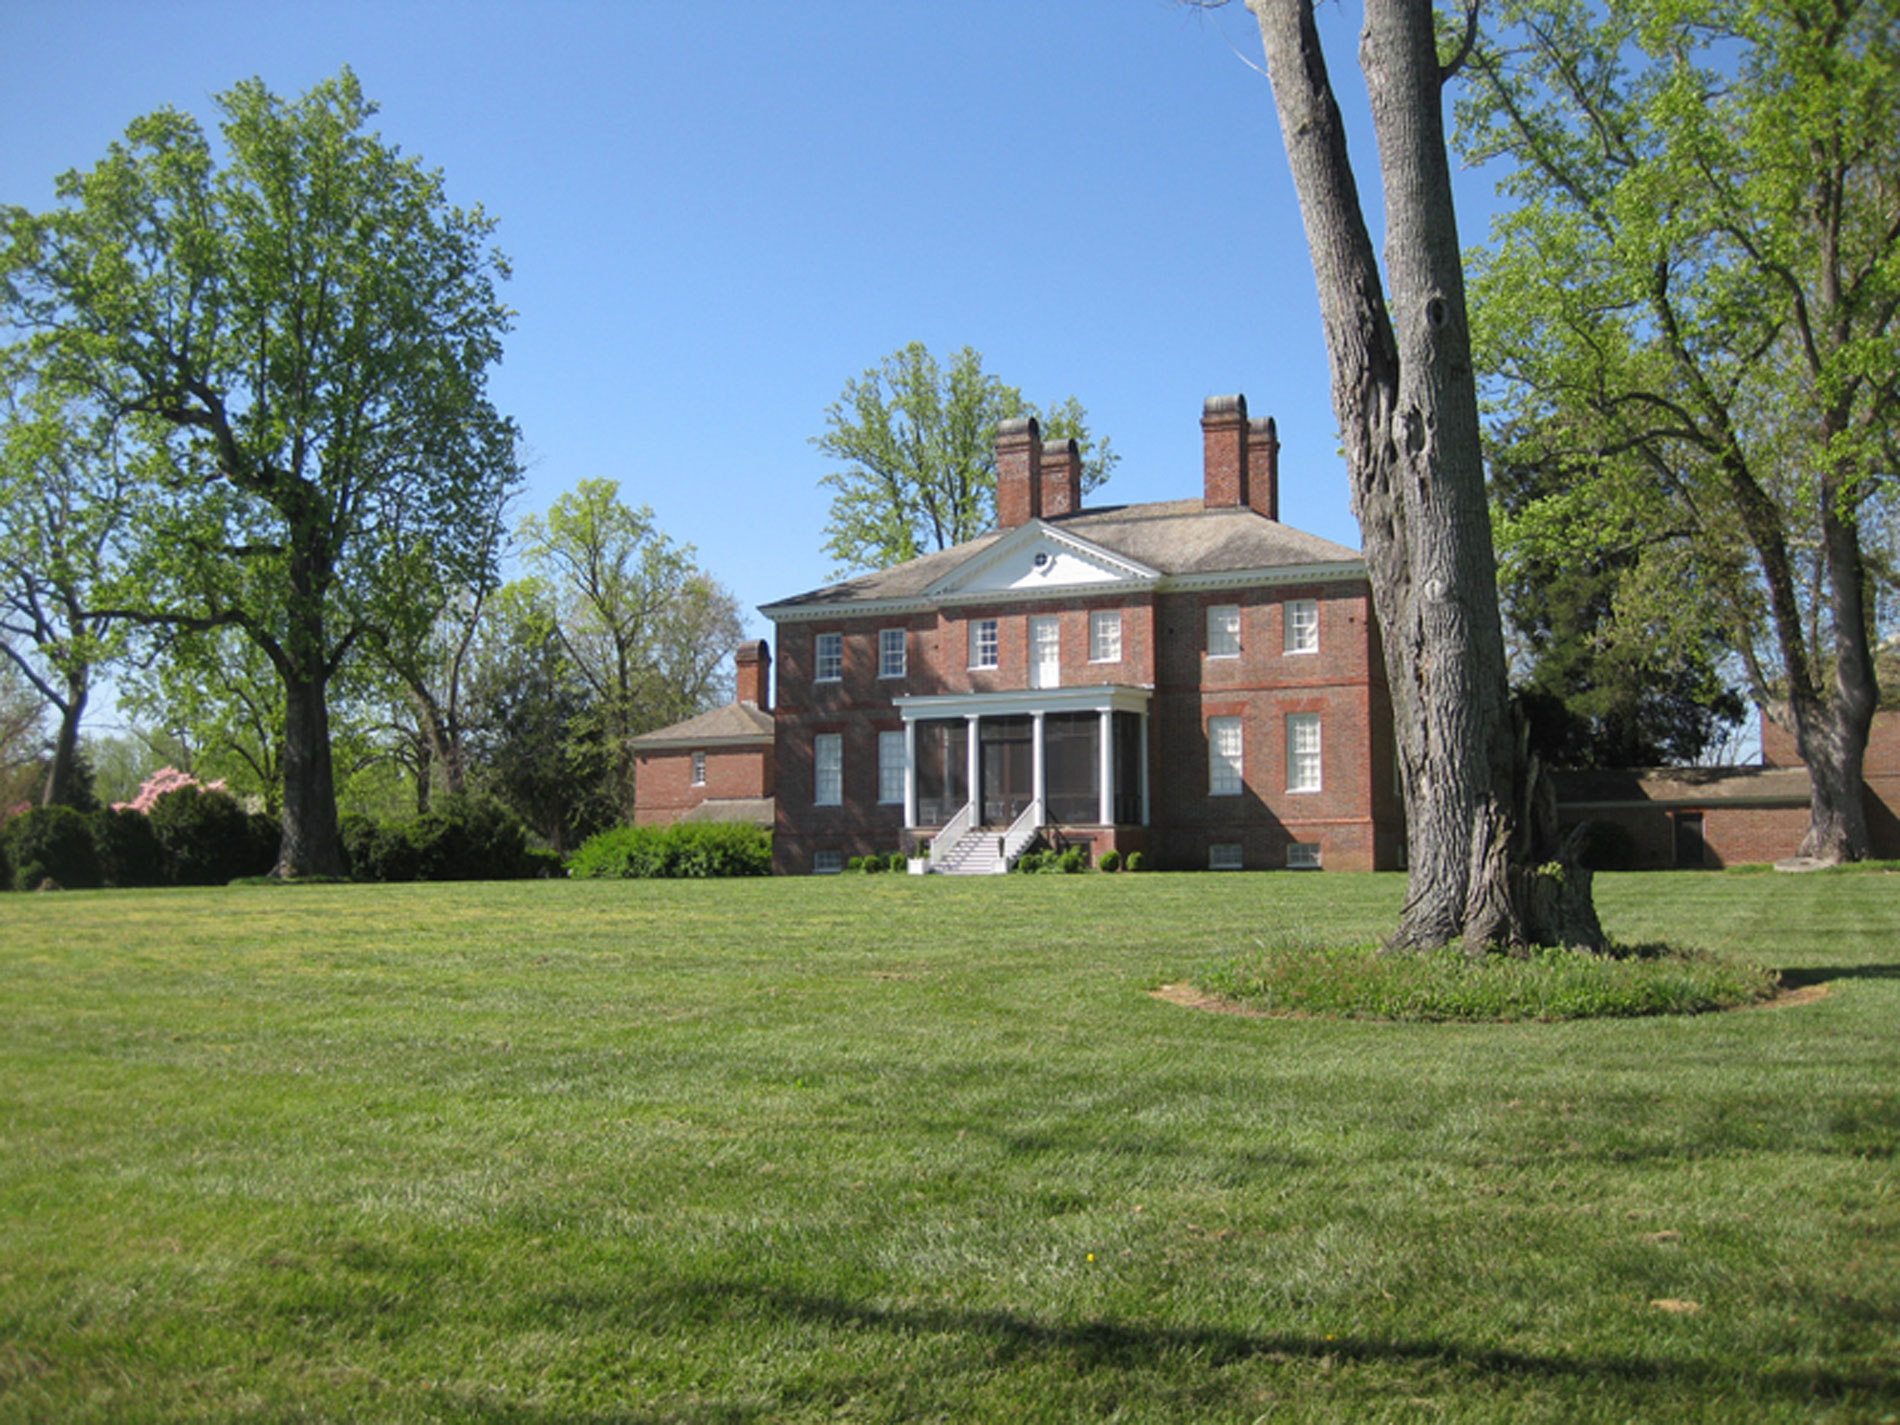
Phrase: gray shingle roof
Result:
[1174,538]
[735,722]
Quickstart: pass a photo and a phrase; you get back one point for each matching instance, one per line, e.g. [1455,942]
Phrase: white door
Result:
[1045,652]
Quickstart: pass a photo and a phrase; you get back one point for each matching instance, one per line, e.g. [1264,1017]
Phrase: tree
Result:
[1716,182]
[22,714]
[919,447]
[647,630]
[1480,820]
[1617,646]
[63,517]
[301,333]
[532,742]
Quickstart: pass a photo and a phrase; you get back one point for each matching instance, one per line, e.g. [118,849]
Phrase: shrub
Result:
[692,850]
[6,863]
[52,843]
[207,837]
[1073,861]
[1031,862]
[127,847]
[457,839]
[899,861]
[1137,861]
[1109,860]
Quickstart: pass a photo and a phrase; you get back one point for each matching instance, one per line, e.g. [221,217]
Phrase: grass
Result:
[895,1148]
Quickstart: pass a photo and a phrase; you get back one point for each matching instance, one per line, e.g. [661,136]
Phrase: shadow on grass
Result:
[1820,974]
[1181,1364]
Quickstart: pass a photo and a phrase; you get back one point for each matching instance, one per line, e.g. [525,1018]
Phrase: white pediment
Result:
[1034,558]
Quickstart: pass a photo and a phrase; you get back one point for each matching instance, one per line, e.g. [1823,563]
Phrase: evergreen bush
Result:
[52,843]
[1136,861]
[1110,860]
[127,847]
[206,837]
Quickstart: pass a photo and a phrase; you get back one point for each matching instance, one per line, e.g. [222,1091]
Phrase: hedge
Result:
[686,850]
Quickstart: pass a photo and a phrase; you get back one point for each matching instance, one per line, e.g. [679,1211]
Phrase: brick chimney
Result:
[1263,467]
[754,664]
[1225,438]
[1018,472]
[1061,478]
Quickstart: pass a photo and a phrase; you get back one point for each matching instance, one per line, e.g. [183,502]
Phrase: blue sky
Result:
[719,212]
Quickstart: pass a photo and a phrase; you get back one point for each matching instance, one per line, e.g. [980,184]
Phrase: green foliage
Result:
[128,848]
[208,839]
[646,630]
[1137,861]
[463,838]
[1109,860]
[683,851]
[52,843]
[1689,312]
[918,444]
[6,859]
[1363,982]
[298,326]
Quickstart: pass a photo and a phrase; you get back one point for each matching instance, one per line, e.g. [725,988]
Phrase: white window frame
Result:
[1226,856]
[1105,636]
[1302,856]
[1305,753]
[828,652]
[891,761]
[893,655]
[827,863]
[1223,631]
[827,769]
[1302,626]
[699,769]
[985,643]
[1226,757]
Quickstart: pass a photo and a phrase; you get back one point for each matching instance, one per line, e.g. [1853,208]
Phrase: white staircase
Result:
[964,849]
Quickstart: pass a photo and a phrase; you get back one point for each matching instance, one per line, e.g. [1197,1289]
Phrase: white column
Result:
[1039,775]
[910,773]
[973,767]
[1105,761]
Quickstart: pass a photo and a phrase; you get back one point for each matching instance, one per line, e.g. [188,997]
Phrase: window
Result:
[1105,636]
[1302,626]
[1302,856]
[1223,757]
[983,643]
[890,767]
[1223,631]
[1302,752]
[830,661]
[1224,856]
[828,769]
[890,653]
[827,863]
[699,769]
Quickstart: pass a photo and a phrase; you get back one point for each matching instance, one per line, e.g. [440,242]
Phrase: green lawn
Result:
[895,1148]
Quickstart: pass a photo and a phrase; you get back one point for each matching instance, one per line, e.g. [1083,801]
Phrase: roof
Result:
[1684,786]
[745,811]
[1175,538]
[734,724]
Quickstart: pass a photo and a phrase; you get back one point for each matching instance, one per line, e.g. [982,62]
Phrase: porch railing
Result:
[953,831]
[1022,831]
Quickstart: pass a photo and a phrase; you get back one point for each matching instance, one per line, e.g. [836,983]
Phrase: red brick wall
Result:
[1880,775]
[664,790]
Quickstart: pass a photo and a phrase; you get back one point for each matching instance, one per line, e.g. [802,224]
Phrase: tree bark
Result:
[62,774]
[1484,867]
[312,844]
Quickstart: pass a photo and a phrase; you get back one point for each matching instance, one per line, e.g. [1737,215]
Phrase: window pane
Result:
[983,643]
[1225,856]
[1302,626]
[1223,631]
[890,653]
[1302,752]
[828,773]
[1223,757]
[890,767]
[830,663]
[1105,636]
[699,769]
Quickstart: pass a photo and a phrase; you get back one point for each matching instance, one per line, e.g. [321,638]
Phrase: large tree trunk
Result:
[1406,400]
[62,776]
[312,845]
